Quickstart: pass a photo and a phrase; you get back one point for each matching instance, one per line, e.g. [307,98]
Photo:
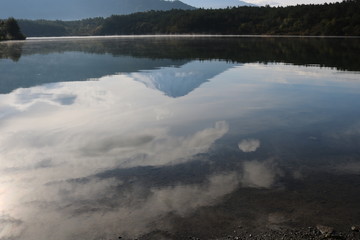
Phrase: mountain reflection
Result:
[180,81]
[46,61]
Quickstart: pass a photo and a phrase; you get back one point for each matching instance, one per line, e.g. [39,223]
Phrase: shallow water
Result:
[102,138]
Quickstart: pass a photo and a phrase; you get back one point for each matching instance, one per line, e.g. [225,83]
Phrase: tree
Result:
[10,30]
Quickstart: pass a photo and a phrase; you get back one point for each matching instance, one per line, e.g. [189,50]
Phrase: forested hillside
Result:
[336,19]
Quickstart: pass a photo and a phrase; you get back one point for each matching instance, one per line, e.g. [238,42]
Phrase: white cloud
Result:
[81,208]
[10,228]
[249,145]
[54,133]
[260,174]
[286,3]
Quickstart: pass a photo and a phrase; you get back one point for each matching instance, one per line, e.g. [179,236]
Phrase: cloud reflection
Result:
[348,168]
[260,174]
[249,145]
[10,228]
[55,137]
[97,208]
[94,208]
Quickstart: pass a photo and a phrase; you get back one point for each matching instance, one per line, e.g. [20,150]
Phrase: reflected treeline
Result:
[9,50]
[339,53]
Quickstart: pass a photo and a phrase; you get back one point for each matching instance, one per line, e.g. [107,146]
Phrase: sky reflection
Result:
[59,143]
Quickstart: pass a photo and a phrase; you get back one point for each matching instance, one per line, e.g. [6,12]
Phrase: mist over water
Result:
[102,138]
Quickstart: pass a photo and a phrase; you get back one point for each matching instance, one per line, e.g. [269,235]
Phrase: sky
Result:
[270,2]
[288,2]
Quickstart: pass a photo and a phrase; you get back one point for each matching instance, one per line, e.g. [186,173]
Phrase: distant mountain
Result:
[80,9]
[216,3]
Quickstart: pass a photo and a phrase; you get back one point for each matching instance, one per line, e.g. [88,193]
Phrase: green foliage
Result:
[328,19]
[48,28]
[9,30]
[337,19]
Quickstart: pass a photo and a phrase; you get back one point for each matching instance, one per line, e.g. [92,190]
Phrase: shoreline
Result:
[318,232]
[182,36]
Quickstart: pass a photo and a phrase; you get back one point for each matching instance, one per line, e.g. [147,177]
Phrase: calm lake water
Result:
[177,137]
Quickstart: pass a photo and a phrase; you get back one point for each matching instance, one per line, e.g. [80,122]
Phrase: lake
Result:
[177,137]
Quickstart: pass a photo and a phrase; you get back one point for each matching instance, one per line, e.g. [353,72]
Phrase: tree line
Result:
[10,30]
[335,19]
[338,53]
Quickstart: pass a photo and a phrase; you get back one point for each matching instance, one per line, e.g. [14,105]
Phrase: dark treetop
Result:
[9,30]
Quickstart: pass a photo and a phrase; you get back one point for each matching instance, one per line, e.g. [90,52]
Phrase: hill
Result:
[81,9]
[336,19]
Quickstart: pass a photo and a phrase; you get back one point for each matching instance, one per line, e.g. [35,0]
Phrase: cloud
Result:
[348,168]
[75,124]
[10,228]
[249,145]
[53,137]
[260,174]
[286,3]
[150,147]
[104,208]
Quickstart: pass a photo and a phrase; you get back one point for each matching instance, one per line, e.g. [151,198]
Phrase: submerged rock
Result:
[325,230]
[355,228]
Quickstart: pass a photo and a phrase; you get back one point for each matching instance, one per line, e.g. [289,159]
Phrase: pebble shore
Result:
[318,232]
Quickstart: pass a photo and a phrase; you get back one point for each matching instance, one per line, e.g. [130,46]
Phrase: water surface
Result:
[177,137]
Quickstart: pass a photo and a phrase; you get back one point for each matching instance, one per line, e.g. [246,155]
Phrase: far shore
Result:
[181,36]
